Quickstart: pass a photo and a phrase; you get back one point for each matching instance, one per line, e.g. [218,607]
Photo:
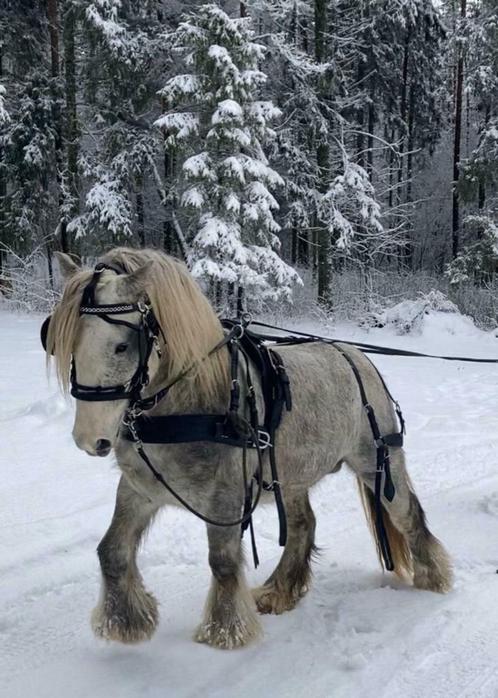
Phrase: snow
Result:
[185,124]
[199,165]
[180,85]
[357,633]
[228,111]
[103,16]
[4,115]
[108,206]
[193,197]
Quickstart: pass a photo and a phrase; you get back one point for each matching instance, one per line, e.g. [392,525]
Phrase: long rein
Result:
[296,336]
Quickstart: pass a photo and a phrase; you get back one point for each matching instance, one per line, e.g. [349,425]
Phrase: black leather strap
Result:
[383,464]
[186,428]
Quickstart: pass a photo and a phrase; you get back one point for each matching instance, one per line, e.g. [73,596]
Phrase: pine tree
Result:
[353,214]
[478,181]
[480,172]
[124,51]
[217,126]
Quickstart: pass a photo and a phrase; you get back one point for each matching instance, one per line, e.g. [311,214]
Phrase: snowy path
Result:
[357,633]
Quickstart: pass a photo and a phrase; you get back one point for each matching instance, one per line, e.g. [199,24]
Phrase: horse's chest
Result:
[190,469]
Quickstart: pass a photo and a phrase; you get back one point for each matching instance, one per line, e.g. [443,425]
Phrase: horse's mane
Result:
[187,319]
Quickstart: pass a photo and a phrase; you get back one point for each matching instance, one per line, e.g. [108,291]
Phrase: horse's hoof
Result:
[238,634]
[271,600]
[429,581]
[126,623]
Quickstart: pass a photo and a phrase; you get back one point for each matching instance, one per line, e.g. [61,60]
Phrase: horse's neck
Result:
[185,397]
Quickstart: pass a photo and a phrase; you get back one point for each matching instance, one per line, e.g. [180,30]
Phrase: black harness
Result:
[232,428]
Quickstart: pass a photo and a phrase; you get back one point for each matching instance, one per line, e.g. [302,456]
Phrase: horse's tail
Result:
[400,552]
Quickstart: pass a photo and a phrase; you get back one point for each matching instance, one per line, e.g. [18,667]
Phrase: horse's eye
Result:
[121,348]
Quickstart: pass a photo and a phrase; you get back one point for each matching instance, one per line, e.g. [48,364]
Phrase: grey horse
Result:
[326,428]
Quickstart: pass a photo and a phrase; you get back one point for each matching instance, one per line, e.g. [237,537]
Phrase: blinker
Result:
[44,332]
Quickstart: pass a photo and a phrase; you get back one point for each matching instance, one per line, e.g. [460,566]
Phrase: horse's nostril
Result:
[103,446]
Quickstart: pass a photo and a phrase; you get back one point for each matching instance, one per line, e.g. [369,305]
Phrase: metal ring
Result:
[238,333]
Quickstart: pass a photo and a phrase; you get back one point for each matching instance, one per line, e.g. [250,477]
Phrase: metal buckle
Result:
[144,307]
[156,345]
[270,486]
[131,415]
[263,439]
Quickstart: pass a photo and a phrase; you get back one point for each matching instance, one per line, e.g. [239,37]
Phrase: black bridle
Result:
[147,331]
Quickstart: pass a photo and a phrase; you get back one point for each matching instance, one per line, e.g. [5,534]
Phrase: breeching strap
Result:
[383,466]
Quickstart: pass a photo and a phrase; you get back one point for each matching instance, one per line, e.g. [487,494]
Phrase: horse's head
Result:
[103,356]
[111,353]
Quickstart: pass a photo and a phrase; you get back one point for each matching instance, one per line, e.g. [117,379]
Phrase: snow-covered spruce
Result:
[350,210]
[217,125]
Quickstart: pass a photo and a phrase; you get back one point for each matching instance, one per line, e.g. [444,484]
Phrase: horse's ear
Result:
[137,280]
[67,266]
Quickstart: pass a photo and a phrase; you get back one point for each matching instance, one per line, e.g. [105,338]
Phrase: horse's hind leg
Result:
[230,618]
[410,538]
[290,580]
[126,612]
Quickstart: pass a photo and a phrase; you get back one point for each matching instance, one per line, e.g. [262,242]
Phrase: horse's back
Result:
[327,419]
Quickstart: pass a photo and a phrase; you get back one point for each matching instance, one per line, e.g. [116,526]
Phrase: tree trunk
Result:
[402,113]
[360,116]
[294,239]
[140,214]
[481,191]
[322,158]
[53,30]
[455,237]
[303,248]
[391,170]
[240,301]
[409,248]
[370,140]
[169,236]
[3,188]
[72,129]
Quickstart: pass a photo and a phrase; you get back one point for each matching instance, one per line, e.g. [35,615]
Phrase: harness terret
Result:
[232,428]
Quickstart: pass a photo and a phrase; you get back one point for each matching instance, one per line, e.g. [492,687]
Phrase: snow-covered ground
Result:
[358,633]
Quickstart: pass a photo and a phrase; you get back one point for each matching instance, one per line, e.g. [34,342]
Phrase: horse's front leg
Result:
[230,618]
[126,612]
